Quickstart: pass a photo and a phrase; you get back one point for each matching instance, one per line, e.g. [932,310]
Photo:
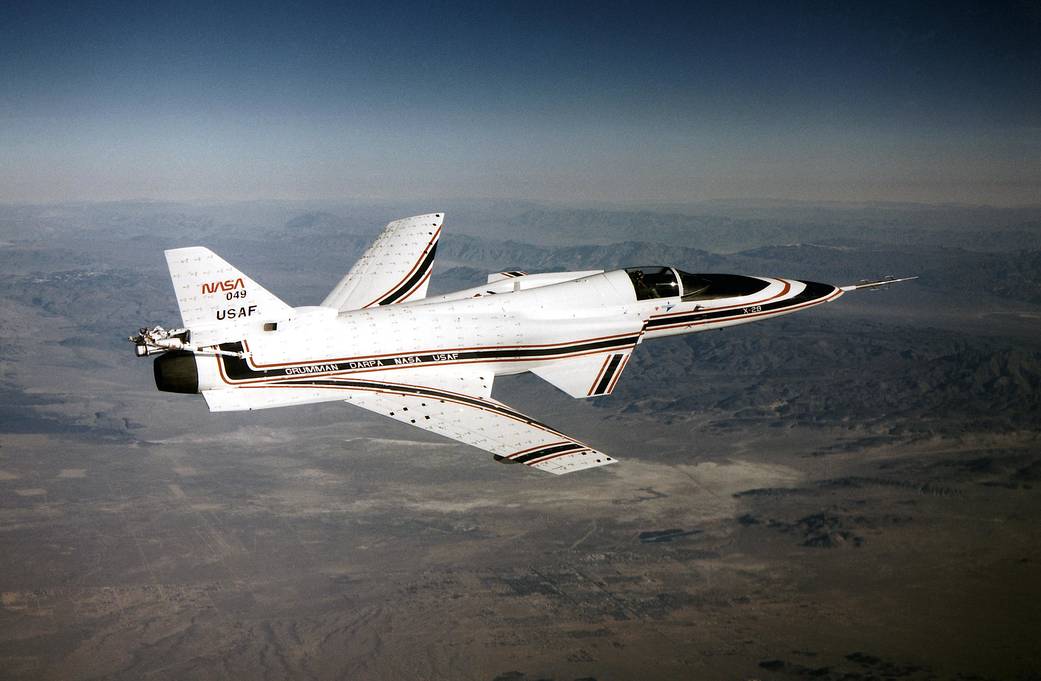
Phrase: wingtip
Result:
[574,462]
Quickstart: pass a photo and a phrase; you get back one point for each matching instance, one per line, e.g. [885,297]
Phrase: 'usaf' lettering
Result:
[234,313]
[223,286]
[445,357]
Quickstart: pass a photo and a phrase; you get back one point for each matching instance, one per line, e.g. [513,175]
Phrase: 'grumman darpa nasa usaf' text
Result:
[378,342]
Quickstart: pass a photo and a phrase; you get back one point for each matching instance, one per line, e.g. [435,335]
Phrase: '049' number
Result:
[235,294]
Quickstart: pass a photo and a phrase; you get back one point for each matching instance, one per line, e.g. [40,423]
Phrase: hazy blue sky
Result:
[563,100]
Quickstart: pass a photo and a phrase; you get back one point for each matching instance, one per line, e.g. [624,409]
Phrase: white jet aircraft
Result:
[378,342]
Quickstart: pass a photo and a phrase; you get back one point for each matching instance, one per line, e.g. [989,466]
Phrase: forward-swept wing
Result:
[455,403]
[395,268]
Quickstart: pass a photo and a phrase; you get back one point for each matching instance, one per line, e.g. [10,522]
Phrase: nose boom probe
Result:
[875,285]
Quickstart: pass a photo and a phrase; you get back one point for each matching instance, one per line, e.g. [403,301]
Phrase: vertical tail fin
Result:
[211,292]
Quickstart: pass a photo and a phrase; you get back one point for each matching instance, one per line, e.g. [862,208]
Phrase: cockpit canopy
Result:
[668,282]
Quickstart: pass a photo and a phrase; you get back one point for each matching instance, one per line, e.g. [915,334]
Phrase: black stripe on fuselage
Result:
[813,291]
[237,369]
[416,277]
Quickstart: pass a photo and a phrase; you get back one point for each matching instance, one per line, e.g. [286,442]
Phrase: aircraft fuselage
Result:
[503,326]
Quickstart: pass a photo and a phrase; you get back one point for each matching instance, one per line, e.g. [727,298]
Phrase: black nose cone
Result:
[175,372]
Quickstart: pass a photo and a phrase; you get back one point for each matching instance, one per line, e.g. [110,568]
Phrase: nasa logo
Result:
[223,286]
